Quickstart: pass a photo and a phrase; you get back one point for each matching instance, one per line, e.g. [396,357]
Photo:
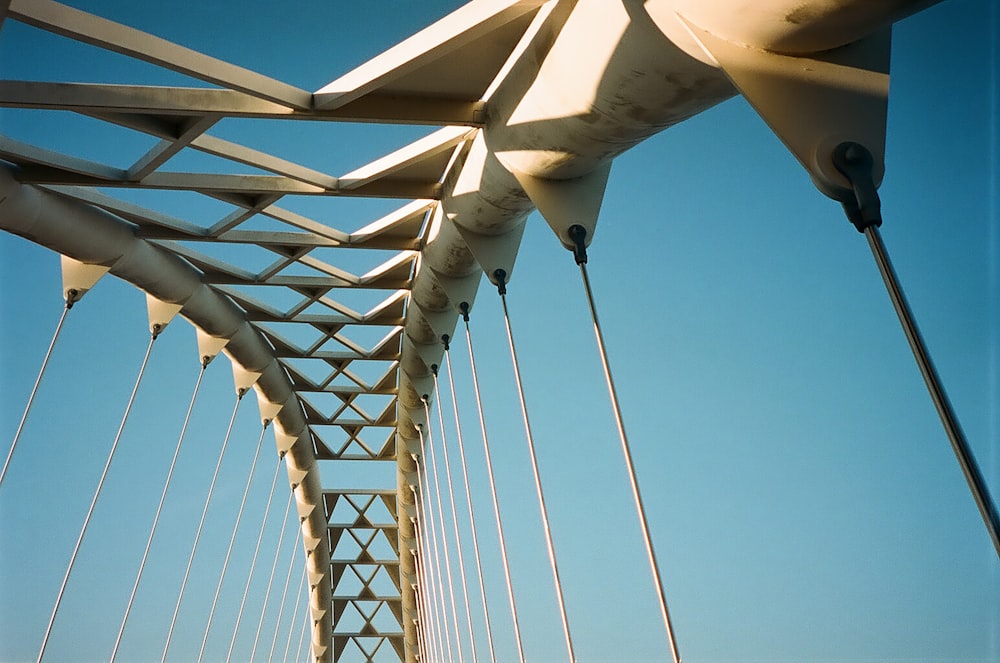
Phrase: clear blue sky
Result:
[805,503]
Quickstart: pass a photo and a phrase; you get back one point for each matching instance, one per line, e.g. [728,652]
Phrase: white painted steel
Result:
[597,78]
[585,80]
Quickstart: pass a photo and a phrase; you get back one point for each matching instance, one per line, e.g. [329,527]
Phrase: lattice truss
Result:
[341,357]
[365,544]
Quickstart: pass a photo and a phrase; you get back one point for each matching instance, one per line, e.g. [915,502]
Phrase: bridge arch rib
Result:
[92,236]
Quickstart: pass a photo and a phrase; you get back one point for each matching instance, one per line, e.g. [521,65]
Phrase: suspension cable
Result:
[431,567]
[232,539]
[295,613]
[97,493]
[159,507]
[953,429]
[468,497]
[578,234]
[256,552]
[70,300]
[441,524]
[423,553]
[454,517]
[428,623]
[430,535]
[201,524]
[433,618]
[464,308]
[501,277]
[428,640]
[284,594]
[302,639]
[418,601]
[274,568]
[856,163]
[434,587]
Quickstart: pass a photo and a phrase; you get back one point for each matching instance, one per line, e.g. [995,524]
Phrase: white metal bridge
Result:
[768,441]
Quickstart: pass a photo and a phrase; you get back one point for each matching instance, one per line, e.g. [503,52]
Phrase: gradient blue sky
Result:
[804,501]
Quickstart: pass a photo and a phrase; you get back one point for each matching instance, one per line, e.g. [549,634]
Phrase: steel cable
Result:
[427,620]
[432,650]
[201,524]
[418,595]
[34,389]
[274,568]
[281,609]
[295,613]
[430,536]
[549,545]
[864,211]
[630,468]
[959,444]
[97,493]
[443,528]
[454,520]
[232,541]
[159,507]
[493,488]
[253,562]
[302,639]
[468,498]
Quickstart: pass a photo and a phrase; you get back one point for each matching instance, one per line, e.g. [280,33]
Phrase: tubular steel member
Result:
[863,209]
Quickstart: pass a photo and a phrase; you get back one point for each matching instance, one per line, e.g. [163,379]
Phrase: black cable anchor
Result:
[501,279]
[578,234]
[855,162]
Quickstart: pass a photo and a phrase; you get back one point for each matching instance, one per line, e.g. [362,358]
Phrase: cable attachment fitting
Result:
[157,330]
[446,341]
[72,297]
[855,162]
[464,310]
[434,369]
[578,234]
[501,276]
[426,399]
